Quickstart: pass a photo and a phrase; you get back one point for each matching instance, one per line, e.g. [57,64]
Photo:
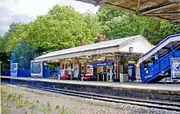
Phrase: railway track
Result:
[138,102]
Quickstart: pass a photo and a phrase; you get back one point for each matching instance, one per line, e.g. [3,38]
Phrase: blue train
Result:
[162,61]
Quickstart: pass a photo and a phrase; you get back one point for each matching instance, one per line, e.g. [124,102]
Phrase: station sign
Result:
[103,64]
[175,68]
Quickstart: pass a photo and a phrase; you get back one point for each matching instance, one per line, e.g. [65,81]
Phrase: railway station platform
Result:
[162,92]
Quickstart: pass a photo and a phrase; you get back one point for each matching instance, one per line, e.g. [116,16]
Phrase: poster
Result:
[36,69]
[89,69]
[14,69]
[175,68]
[76,73]
[62,72]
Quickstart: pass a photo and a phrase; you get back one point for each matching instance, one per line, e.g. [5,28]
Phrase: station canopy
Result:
[168,10]
[138,45]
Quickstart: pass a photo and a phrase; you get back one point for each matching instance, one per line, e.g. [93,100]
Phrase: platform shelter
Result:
[113,60]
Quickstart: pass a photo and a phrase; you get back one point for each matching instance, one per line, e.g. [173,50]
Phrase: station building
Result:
[113,60]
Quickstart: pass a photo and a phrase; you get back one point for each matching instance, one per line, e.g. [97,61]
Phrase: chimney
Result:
[101,38]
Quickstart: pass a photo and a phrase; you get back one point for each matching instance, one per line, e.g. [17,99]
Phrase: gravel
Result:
[77,105]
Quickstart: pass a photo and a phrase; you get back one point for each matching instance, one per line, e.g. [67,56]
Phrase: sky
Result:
[25,11]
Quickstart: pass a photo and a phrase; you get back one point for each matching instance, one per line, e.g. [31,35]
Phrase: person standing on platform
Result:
[59,73]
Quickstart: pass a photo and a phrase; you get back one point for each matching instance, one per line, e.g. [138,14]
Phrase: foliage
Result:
[1,44]
[116,24]
[5,103]
[61,28]
[3,55]
[23,54]
[14,36]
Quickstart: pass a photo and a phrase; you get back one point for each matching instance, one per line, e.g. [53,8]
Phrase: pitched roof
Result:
[117,45]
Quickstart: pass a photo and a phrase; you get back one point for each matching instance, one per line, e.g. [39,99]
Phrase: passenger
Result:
[104,73]
[82,76]
[59,73]
[69,71]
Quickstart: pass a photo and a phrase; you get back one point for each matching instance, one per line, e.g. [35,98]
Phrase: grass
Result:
[57,107]
[9,99]
[19,104]
[34,106]
[63,111]
[5,104]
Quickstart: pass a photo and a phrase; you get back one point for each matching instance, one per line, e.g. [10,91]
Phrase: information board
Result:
[36,69]
[175,68]
[14,69]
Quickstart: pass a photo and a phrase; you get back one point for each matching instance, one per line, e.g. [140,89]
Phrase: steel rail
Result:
[108,98]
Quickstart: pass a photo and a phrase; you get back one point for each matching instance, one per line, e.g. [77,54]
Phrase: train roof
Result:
[160,46]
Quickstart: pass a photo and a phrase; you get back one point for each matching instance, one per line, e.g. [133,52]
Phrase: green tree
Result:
[14,36]
[61,28]
[3,55]
[1,44]
[117,24]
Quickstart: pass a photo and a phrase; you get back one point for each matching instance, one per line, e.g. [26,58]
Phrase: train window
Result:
[147,64]
[177,47]
[165,53]
[153,59]
[150,64]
